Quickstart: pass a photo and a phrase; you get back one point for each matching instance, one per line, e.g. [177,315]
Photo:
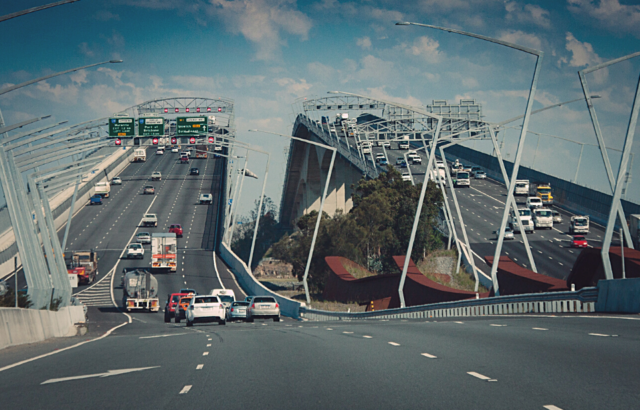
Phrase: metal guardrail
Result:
[581,301]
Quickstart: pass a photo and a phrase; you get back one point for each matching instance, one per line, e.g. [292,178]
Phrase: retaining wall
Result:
[20,326]
[288,307]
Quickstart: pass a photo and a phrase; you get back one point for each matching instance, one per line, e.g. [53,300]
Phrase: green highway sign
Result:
[190,126]
[151,127]
[121,127]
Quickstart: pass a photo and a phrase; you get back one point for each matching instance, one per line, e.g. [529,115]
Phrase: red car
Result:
[177,229]
[170,307]
[579,241]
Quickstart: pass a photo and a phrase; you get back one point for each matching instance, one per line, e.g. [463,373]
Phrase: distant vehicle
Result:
[116,181]
[403,145]
[175,149]
[265,307]
[202,151]
[384,161]
[149,220]
[508,234]
[181,308]
[170,305]
[160,152]
[194,171]
[95,200]
[542,191]
[525,217]
[557,218]
[227,296]
[415,158]
[522,187]
[479,175]
[140,290]
[475,169]
[400,161]
[379,156]
[206,198]
[534,202]
[237,311]
[385,144]
[366,148]
[579,241]
[177,229]
[143,237]
[103,189]
[149,190]
[135,250]
[82,263]
[184,158]
[579,224]
[406,176]
[206,309]
[140,155]
[542,218]
[461,179]
[188,291]
[156,176]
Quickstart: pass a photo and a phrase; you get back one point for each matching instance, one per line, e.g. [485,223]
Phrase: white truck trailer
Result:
[103,189]
[522,187]
[164,247]
[140,155]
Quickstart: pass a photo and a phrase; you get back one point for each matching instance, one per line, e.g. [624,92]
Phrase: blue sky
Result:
[264,54]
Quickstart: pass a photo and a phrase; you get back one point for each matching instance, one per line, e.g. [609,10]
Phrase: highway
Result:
[110,227]
[482,206]
[526,362]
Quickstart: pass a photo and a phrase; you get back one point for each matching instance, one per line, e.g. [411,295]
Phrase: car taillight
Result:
[277,306]
[221,307]
[253,306]
[232,309]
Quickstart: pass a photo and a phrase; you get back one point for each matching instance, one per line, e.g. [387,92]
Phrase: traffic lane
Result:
[228,278]
[541,360]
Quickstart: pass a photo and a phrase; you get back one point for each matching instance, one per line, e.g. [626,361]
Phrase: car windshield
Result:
[175,298]
[185,300]
[578,238]
[143,234]
[150,216]
[535,200]
[479,172]
[463,175]
[524,212]
[264,300]
[135,246]
[581,222]
[241,304]
[543,213]
[226,298]
[544,190]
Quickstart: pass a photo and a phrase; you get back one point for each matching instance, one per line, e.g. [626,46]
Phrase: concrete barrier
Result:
[20,326]
[288,307]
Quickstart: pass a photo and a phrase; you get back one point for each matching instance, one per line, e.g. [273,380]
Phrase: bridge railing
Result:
[582,301]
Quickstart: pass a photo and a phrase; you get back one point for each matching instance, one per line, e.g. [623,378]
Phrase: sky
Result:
[266,54]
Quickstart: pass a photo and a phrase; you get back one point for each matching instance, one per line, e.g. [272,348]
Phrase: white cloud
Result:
[321,71]
[610,14]
[427,48]
[380,93]
[293,87]
[522,38]
[364,43]
[582,54]
[84,49]
[470,82]
[529,13]
[105,15]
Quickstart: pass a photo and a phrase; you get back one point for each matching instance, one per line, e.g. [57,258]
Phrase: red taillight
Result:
[277,306]
[221,307]
[253,306]
[232,309]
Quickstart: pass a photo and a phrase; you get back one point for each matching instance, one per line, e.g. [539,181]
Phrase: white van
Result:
[226,296]
[543,218]
[534,202]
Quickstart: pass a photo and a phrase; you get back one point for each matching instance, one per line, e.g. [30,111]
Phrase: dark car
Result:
[96,200]
[194,171]
[177,229]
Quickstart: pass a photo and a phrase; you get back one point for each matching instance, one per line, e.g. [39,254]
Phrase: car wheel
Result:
[189,323]
[250,320]
[276,319]
[222,322]
[177,319]
[167,318]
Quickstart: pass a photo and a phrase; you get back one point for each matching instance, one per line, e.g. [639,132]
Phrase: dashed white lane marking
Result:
[459,322]
[599,334]
[497,325]
[209,339]
[209,345]
[348,333]
[430,356]
[205,354]
[394,344]
[329,328]
[185,389]
[482,377]
[199,367]
[367,337]
[551,407]
[539,328]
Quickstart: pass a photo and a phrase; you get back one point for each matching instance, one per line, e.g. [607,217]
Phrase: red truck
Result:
[84,264]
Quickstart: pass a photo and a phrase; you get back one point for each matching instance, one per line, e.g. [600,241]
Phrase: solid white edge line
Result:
[430,356]
[215,266]
[61,350]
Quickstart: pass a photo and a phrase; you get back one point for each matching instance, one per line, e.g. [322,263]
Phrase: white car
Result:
[508,234]
[385,144]
[175,149]
[416,159]
[206,198]
[135,250]
[160,152]
[480,175]
[143,237]
[534,202]
[403,145]
[116,181]
[206,308]
[406,176]
[156,176]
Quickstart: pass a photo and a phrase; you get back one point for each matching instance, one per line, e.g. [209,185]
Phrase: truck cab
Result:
[525,217]
[543,218]
[579,224]
[522,187]
[543,191]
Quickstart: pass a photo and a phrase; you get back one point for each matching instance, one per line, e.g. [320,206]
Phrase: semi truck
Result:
[543,191]
[522,187]
[164,247]
[103,189]
[140,155]
[140,291]
[84,264]
[579,224]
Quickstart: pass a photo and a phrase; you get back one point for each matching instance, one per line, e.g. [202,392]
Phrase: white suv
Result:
[534,202]
[135,250]
[206,198]
[206,308]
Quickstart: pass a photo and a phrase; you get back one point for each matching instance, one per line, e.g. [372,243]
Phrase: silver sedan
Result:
[237,311]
